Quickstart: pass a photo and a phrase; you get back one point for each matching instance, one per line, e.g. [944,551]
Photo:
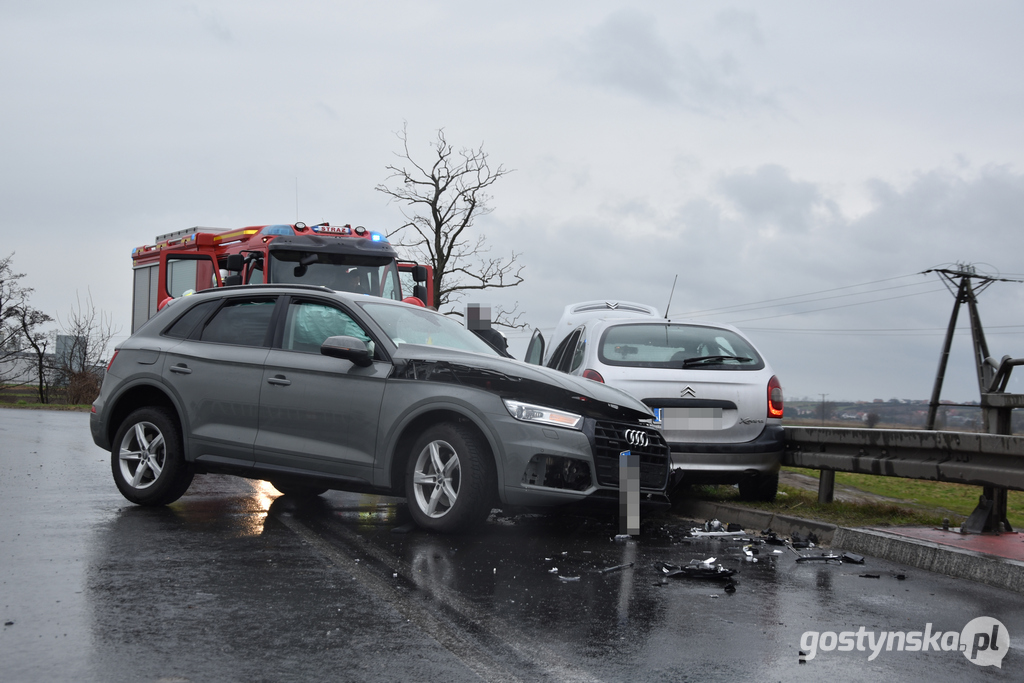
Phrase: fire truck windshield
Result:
[373,275]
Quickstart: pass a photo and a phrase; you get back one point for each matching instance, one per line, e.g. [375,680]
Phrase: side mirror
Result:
[348,348]
[419,274]
[420,292]
[232,280]
[235,262]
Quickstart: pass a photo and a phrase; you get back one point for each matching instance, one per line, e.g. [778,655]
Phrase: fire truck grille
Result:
[612,438]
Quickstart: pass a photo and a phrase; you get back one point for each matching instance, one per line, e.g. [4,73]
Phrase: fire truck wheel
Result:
[147,458]
[450,480]
[298,490]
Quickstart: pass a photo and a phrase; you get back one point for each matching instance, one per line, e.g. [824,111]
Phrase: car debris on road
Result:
[698,569]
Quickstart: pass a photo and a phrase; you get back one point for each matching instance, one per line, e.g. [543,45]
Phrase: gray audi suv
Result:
[313,389]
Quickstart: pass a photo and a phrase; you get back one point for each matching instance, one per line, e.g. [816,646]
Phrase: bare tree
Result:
[30,320]
[87,332]
[13,297]
[440,202]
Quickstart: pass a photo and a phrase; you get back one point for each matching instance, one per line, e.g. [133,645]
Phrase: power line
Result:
[832,308]
[866,333]
[801,296]
[836,296]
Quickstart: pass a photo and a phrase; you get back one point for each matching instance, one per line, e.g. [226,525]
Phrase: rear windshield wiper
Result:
[708,360]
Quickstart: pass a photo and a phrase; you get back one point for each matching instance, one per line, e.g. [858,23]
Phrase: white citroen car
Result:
[716,399]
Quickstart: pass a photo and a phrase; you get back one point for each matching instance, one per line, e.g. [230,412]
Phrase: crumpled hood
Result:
[514,379]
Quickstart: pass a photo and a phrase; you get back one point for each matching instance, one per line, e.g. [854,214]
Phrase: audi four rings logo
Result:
[635,437]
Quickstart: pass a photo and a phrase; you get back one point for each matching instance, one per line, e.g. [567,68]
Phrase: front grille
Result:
[608,440]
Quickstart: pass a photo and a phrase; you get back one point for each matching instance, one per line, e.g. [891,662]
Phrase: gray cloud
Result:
[743,24]
[769,196]
[626,52]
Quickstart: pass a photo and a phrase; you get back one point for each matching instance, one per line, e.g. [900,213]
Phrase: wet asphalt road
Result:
[234,583]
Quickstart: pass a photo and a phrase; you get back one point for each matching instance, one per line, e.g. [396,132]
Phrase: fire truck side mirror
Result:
[420,292]
[235,262]
[232,280]
[419,274]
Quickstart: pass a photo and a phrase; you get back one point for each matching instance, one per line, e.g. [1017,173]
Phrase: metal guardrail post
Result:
[826,485]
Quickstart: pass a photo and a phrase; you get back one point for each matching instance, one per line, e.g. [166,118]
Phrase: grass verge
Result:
[939,496]
[27,396]
[47,406]
[800,503]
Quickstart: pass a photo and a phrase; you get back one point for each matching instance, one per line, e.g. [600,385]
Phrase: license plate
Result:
[687,419]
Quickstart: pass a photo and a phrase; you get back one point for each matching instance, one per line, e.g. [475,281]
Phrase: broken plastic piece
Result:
[553,570]
[797,537]
[730,587]
[831,557]
[568,578]
[616,568]
[870,576]
[698,569]
[901,577]
[749,553]
[853,558]
[715,534]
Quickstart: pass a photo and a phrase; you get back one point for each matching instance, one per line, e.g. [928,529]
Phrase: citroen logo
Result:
[612,304]
[688,391]
[636,437]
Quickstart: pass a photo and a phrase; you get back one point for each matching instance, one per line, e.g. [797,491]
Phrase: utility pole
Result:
[823,409]
[996,405]
[959,282]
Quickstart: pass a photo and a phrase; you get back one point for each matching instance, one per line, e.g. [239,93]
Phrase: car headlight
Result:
[529,412]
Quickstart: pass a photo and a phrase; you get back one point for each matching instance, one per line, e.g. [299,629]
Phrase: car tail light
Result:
[774,397]
[594,375]
[111,360]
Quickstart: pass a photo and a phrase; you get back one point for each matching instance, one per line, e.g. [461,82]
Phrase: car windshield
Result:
[667,345]
[341,272]
[411,325]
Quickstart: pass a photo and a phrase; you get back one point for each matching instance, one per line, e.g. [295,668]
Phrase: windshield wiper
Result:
[708,360]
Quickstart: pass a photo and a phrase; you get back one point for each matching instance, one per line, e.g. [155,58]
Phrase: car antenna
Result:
[673,291]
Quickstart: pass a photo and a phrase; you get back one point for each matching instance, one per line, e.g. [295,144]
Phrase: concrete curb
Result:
[957,562]
[949,561]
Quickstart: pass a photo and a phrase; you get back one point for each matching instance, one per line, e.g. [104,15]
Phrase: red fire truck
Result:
[338,257]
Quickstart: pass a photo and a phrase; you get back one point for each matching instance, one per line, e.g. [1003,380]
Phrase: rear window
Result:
[661,345]
[243,322]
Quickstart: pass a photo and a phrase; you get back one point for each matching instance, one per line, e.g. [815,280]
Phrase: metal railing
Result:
[993,461]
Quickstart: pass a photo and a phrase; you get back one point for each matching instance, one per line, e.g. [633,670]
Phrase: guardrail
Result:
[993,461]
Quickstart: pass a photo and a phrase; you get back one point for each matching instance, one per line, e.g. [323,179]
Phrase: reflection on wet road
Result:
[236,583]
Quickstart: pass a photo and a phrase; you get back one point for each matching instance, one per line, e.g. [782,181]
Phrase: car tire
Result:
[449,480]
[298,490]
[147,458]
[760,487]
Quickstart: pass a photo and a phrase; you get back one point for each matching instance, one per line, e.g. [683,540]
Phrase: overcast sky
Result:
[757,150]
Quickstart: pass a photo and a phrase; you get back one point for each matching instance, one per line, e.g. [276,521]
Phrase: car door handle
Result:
[181,369]
[279,380]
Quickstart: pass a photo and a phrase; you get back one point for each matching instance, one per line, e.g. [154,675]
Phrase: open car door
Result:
[535,350]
